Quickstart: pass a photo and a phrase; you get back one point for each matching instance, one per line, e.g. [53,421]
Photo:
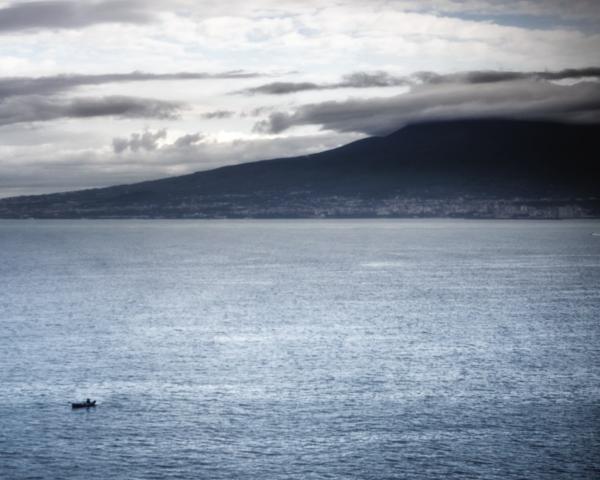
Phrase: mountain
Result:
[468,168]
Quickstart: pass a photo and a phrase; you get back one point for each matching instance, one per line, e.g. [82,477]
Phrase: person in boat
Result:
[87,401]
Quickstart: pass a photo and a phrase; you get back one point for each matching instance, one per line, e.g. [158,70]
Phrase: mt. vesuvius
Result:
[467,168]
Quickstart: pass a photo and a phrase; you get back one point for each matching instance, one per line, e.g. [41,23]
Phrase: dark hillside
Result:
[521,163]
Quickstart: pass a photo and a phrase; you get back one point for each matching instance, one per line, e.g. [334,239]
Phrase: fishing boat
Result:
[86,404]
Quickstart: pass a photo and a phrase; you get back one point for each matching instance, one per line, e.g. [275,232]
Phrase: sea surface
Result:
[326,349]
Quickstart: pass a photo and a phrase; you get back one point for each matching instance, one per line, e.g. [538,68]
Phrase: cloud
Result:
[560,8]
[353,80]
[17,86]
[20,86]
[493,76]
[71,14]
[188,140]
[515,99]
[38,109]
[382,79]
[256,112]
[139,141]
[282,88]
[149,141]
[218,114]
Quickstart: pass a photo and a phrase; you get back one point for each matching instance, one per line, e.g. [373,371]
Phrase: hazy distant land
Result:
[468,169]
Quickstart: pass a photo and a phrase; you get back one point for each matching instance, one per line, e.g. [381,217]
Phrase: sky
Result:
[104,92]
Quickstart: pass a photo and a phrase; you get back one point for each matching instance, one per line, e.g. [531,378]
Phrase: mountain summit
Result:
[468,168]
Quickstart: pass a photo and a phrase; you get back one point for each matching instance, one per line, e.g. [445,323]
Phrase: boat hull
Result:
[83,405]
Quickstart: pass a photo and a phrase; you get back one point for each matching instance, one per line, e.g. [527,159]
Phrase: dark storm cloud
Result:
[14,86]
[517,99]
[384,79]
[71,14]
[35,108]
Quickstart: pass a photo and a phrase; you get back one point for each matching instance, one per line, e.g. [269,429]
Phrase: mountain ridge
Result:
[491,168]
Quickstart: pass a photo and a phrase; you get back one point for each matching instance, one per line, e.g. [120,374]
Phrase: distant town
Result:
[307,206]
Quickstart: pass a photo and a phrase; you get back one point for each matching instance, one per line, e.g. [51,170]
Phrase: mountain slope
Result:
[482,168]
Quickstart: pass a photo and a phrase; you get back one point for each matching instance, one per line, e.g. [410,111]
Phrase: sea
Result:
[300,349]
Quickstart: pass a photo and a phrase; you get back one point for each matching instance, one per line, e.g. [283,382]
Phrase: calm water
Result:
[300,349]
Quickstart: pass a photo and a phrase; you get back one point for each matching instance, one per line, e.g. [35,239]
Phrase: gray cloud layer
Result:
[493,76]
[354,80]
[14,86]
[35,108]
[71,14]
[516,99]
[384,79]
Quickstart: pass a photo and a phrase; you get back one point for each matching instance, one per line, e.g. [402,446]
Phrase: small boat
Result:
[86,404]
